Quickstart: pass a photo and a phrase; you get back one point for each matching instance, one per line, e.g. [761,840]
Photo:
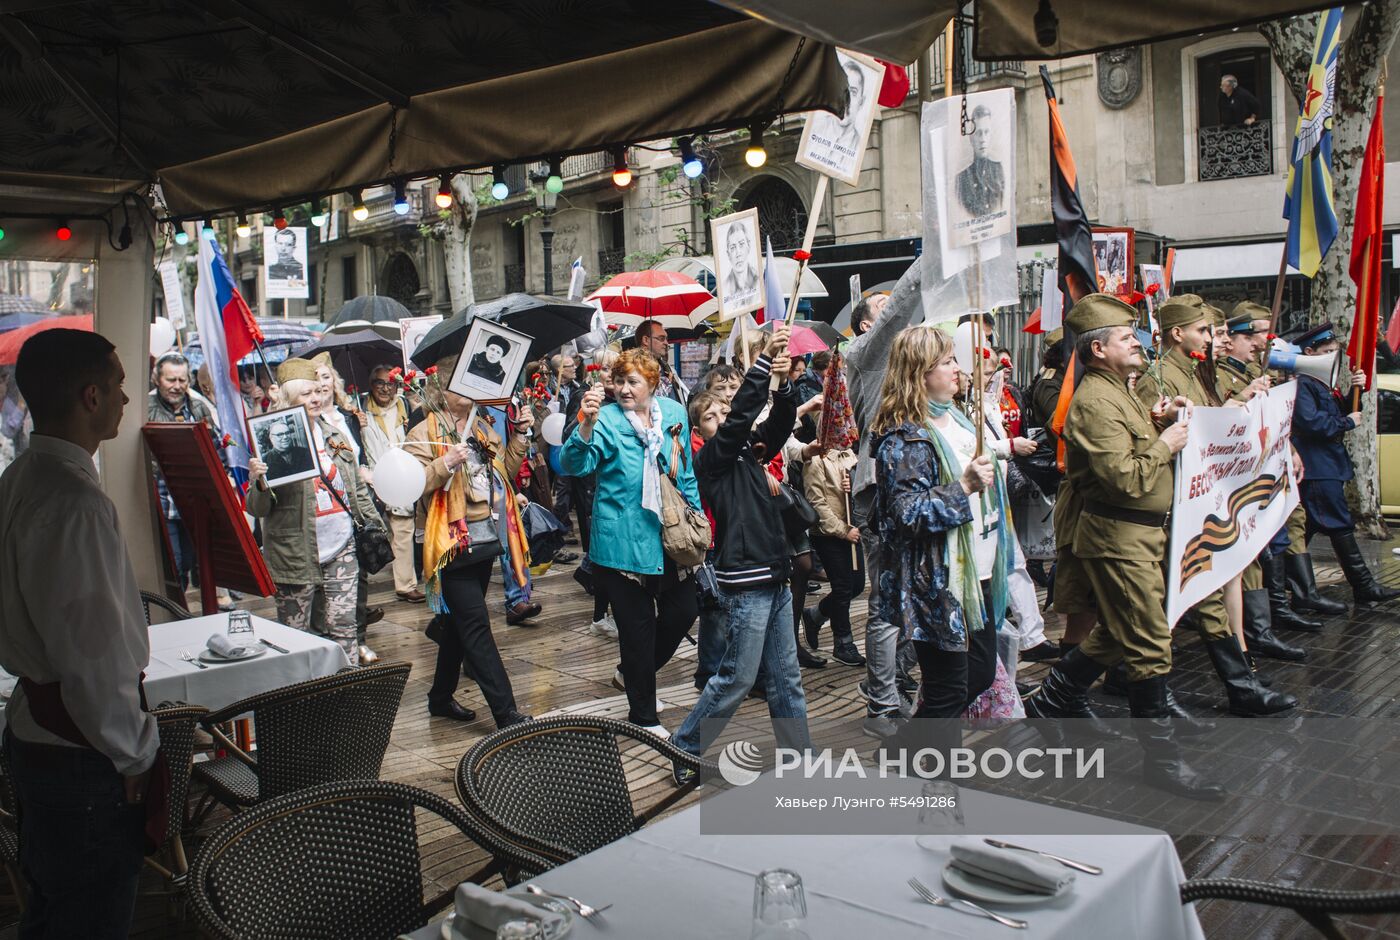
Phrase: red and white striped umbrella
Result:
[674,300]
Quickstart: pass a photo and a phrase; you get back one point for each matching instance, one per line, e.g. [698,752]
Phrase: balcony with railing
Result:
[976,71]
[381,211]
[1233,151]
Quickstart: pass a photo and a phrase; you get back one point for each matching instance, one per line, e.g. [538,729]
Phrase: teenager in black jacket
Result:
[751,562]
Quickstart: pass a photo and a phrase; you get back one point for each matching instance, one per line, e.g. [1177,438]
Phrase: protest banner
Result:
[1234,491]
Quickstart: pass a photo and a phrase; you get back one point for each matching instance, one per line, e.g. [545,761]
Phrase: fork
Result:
[187,657]
[587,911]
[938,900]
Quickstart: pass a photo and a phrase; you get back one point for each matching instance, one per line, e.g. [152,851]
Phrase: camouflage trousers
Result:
[334,615]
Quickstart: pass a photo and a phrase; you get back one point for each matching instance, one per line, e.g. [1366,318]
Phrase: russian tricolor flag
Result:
[227,332]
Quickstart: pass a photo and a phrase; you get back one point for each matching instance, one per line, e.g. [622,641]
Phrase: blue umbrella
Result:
[279,338]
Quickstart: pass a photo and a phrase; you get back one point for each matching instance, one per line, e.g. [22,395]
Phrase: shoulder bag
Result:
[373,548]
[685,532]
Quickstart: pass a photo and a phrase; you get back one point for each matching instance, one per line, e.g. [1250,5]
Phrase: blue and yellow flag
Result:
[1307,205]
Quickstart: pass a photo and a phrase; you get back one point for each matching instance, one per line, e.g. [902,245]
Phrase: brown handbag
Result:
[685,532]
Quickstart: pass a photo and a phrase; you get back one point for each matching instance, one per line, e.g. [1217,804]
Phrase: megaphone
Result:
[1326,368]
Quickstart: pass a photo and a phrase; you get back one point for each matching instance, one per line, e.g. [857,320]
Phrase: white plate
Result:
[970,886]
[549,904]
[253,652]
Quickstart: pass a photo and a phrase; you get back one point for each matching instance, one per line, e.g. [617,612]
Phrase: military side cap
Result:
[1317,335]
[293,369]
[1097,311]
[1253,310]
[1054,336]
[1182,310]
[1217,316]
[322,359]
[1242,323]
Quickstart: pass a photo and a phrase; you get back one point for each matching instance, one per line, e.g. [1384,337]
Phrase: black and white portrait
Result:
[284,260]
[489,368]
[835,146]
[282,440]
[738,263]
[980,160]
[412,330]
[1113,256]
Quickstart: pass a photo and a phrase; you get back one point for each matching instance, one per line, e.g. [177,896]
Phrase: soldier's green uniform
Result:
[1122,472]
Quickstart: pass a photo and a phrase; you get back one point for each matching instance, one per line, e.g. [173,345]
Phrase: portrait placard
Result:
[738,263]
[284,263]
[835,146]
[283,440]
[981,164]
[1113,256]
[489,367]
[411,331]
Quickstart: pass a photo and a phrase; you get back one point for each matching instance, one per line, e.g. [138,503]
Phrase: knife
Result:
[1067,862]
[272,646]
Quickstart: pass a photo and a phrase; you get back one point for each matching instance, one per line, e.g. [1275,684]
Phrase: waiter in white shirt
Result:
[80,745]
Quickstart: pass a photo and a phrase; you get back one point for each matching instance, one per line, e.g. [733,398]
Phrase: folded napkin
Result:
[485,910]
[220,644]
[1020,871]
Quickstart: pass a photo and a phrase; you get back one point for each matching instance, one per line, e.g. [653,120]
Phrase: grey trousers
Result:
[882,646]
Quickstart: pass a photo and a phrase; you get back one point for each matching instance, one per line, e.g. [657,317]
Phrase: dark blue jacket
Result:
[1318,425]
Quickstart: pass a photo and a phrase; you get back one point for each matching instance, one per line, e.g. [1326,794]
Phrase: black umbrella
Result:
[371,308]
[549,321]
[355,355]
[842,321]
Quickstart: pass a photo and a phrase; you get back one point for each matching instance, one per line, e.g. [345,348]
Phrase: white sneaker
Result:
[606,627]
[621,686]
[657,730]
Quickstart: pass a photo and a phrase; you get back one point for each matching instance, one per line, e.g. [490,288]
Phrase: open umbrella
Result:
[549,321]
[355,355]
[279,338]
[808,336]
[371,308]
[13,340]
[674,300]
[842,321]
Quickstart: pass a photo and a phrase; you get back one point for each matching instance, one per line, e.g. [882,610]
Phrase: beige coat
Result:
[821,477]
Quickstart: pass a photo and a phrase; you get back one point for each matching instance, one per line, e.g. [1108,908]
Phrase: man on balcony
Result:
[1237,105]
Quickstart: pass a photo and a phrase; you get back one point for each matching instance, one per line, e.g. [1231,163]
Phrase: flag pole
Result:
[1278,301]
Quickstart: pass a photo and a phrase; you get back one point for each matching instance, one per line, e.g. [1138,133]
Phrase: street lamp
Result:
[545,201]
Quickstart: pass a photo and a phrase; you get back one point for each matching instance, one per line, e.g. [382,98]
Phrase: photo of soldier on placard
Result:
[980,161]
[282,440]
[284,262]
[738,263]
[835,145]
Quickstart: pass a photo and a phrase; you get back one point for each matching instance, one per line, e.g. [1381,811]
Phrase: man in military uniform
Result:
[1121,468]
[1234,381]
[1186,333]
[1318,426]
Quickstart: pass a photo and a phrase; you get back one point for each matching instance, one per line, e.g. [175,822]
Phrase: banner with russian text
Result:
[1234,491]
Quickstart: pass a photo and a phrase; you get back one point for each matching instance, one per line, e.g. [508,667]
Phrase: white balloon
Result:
[162,335]
[399,478]
[553,429]
[962,347]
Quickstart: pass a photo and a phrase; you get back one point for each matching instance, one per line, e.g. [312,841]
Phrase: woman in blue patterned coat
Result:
[932,589]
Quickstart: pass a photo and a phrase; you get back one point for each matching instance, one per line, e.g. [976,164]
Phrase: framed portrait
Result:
[489,368]
[1154,274]
[738,263]
[981,168]
[1113,257]
[284,263]
[835,146]
[411,331]
[282,440]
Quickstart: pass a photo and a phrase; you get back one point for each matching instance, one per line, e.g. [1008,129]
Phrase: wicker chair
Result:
[1314,905]
[177,723]
[339,861]
[149,600]
[554,789]
[314,732]
[9,835]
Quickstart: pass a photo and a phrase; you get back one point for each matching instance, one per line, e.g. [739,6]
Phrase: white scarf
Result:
[651,439]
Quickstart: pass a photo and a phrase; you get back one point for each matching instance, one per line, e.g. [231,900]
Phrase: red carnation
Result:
[410,375]
[612,326]
[1273,336]
[227,441]
[351,390]
[1137,297]
[800,255]
[431,370]
[1152,289]
[1198,356]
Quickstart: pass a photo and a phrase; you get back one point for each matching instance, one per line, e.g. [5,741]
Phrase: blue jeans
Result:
[758,630]
[81,843]
[714,633]
[515,593]
[182,545]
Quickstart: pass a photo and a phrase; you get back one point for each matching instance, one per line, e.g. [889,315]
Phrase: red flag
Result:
[894,87]
[1392,333]
[1366,240]
[1033,323]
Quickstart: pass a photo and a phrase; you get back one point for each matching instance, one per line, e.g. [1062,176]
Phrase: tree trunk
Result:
[457,244]
[1362,56]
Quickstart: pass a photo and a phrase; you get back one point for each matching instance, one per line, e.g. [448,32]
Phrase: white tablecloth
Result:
[670,880]
[171,679]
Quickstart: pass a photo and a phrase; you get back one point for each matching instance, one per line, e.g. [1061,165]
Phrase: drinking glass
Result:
[520,930]
[240,626]
[940,810]
[779,905]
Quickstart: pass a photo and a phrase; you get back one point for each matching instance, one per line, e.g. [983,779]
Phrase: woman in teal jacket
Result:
[627,445]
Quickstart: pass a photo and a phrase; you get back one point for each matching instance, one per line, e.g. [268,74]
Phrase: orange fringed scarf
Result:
[445,532]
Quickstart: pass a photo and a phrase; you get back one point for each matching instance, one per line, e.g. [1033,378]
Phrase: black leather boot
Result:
[1281,616]
[1061,703]
[1260,676]
[1186,724]
[1162,764]
[1301,582]
[1259,634]
[1364,587]
[1247,697]
[1115,681]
